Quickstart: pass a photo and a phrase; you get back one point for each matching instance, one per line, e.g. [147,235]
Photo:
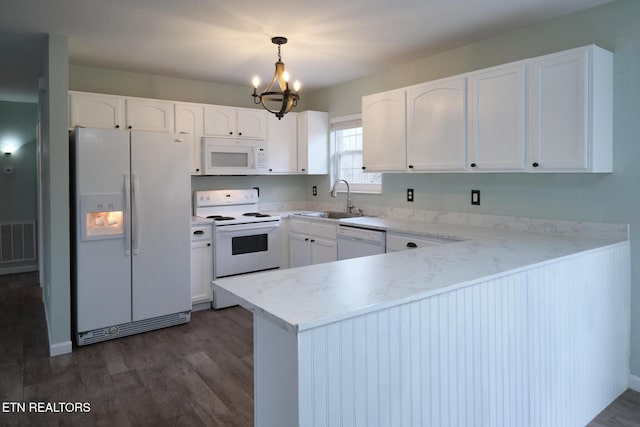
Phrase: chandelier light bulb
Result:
[256,81]
[285,76]
[296,85]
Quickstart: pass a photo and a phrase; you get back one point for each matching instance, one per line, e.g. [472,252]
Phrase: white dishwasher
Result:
[354,242]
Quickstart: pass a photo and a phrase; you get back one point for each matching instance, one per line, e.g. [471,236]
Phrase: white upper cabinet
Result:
[149,115]
[497,118]
[384,132]
[570,111]
[547,114]
[282,143]
[189,124]
[313,142]
[96,110]
[233,122]
[436,126]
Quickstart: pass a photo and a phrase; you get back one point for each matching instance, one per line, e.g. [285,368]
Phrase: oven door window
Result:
[249,244]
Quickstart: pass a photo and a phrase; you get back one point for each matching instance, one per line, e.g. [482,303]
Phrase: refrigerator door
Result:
[103,262]
[161,224]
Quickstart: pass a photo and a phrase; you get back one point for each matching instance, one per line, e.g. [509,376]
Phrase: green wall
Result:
[18,121]
[611,197]
[55,273]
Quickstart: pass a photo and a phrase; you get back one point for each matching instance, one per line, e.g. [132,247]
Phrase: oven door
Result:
[245,248]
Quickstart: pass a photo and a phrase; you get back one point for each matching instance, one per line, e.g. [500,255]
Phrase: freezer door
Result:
[161,224]
[102,282]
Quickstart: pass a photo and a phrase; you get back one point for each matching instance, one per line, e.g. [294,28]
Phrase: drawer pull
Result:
[198,232]
[411,245]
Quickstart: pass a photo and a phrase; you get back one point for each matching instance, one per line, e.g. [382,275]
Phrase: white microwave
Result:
[227,156]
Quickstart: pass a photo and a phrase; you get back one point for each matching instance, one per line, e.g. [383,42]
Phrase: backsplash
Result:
[535,225]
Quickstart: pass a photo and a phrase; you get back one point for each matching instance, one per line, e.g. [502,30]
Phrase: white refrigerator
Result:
[132,235]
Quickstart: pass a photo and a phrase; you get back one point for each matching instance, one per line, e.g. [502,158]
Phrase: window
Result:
[346,140]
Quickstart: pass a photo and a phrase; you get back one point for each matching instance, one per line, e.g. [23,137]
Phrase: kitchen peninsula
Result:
[511,325]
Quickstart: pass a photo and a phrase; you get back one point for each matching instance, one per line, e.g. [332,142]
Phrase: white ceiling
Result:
[330,41]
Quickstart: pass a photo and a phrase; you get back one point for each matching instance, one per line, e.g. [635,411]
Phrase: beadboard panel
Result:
[544,347]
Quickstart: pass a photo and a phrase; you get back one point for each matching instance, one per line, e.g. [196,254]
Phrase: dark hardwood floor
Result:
[199,374]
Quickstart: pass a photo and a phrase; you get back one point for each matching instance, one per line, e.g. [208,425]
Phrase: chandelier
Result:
[277,102]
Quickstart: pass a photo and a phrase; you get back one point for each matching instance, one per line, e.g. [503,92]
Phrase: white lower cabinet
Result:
[311,242]
[201,264]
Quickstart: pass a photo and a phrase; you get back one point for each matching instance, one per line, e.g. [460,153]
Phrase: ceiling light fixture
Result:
[279,102]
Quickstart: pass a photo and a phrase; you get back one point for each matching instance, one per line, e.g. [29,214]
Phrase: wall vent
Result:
[17,242]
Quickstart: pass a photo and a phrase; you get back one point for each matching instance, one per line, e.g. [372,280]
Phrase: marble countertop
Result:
[302,298]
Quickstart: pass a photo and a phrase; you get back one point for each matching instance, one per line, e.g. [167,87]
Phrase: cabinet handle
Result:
[208,244]
[198,232]
[117,126]
[198,170]
[129,127]
[363,168]
[306,239]
[473,165]
[183,133]
[303,169]
[230,133]
[535,164]
[411,245]
[270,170]
[239,133]
[312,240]
[410,166]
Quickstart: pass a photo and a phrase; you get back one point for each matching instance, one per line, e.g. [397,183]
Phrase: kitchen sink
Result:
[331,214]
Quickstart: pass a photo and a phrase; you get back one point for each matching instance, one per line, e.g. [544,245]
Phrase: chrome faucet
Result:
[335,194]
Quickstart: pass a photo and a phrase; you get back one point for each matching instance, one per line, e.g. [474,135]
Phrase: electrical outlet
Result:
[475,197]
[409,194]
[8,170]
[315,190]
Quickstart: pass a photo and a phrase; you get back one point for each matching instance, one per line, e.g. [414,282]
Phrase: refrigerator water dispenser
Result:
[102,216]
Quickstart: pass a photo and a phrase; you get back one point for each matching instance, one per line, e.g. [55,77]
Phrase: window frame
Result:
[354,187]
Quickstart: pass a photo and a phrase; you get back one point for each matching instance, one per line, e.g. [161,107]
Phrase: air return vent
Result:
[17,242]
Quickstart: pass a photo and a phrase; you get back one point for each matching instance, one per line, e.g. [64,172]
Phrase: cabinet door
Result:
[251,123]
[313,142]
[95,110]
[189,124]
[299,250]
[323,250]
[558,112]
[436,126]
[219,121]
[384,132]
[282,142]
[201,272]
[497,118]
[149,115]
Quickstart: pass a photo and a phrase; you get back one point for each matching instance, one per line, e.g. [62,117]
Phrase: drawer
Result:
[200,233]
[401,242]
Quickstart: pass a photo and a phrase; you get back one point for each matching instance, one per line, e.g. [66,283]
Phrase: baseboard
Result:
[55,349]
[634,382]
[19,269]
[60,348]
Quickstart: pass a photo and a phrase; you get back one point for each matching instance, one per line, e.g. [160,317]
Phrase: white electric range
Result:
[244,239]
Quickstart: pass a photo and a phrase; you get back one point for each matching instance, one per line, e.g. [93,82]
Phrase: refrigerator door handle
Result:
[135,226]
[127,209]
